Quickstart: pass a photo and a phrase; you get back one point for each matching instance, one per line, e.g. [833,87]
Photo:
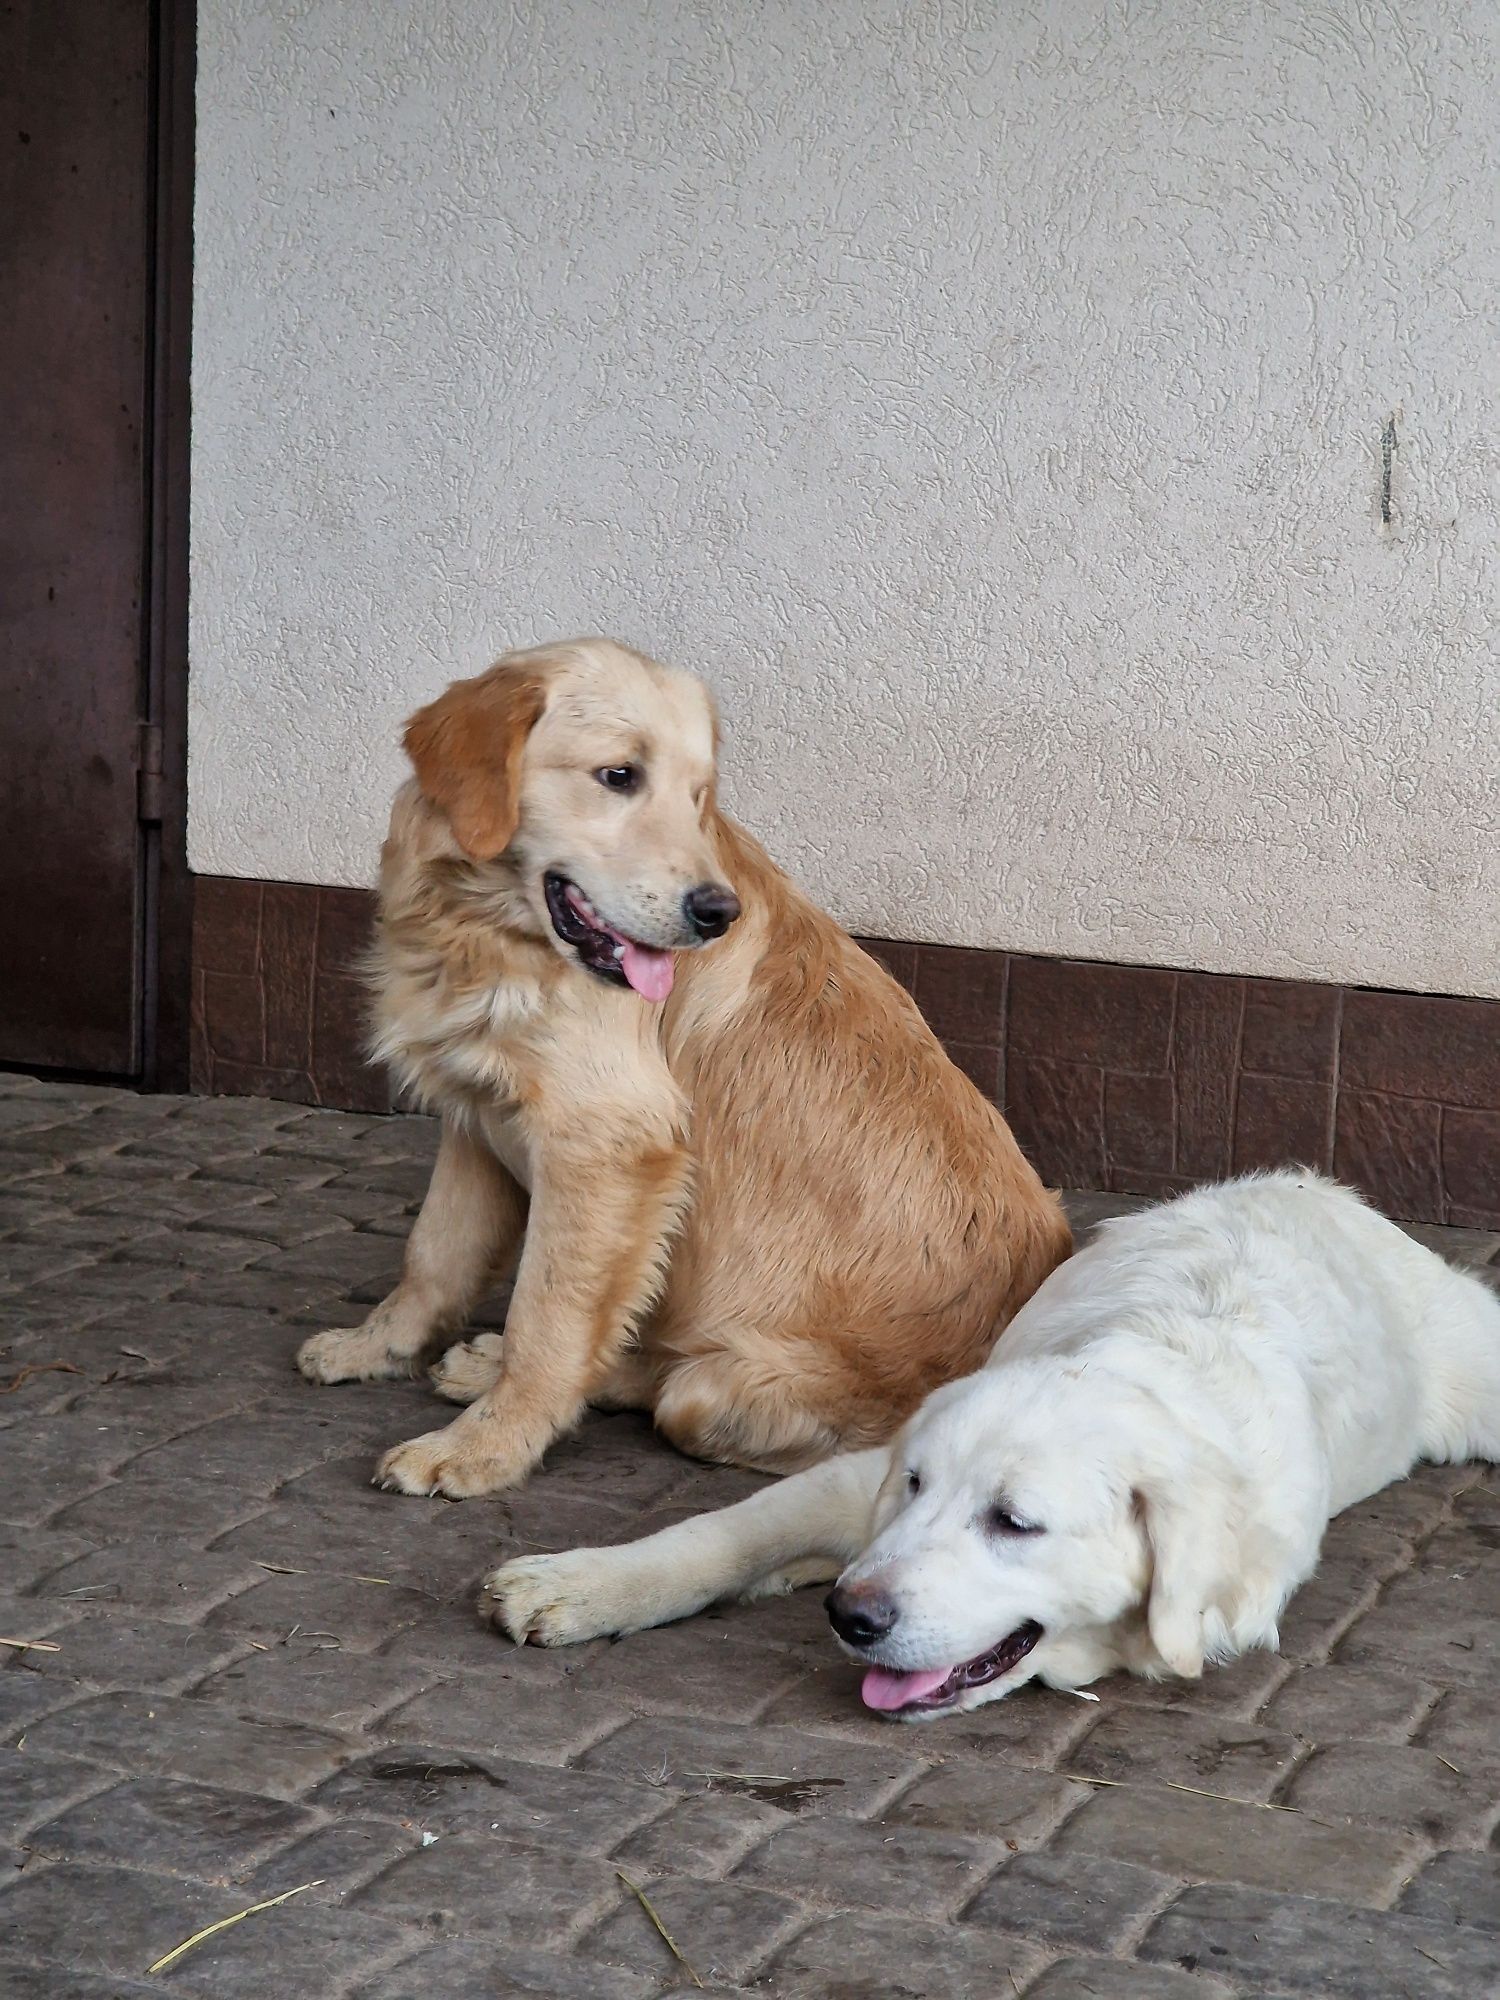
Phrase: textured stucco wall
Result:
[989,399]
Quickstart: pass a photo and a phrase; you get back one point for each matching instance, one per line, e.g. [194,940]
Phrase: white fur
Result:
[1182,1407]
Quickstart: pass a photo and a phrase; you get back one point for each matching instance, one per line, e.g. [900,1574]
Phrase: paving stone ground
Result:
[252,1672]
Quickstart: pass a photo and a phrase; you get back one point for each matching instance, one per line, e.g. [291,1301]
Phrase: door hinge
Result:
[149,781]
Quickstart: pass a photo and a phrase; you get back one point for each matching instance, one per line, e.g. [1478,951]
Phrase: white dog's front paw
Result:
[552,1600]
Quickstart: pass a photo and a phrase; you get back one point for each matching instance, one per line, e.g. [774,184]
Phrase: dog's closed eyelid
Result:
[1000,1520]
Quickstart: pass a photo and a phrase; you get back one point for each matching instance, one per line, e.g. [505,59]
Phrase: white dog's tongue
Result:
[883,1689]
[649,972]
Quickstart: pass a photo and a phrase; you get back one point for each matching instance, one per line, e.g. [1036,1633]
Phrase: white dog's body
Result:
[1140,1476]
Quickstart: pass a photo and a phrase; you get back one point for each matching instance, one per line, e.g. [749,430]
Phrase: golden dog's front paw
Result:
[450,1463]
[350,1354]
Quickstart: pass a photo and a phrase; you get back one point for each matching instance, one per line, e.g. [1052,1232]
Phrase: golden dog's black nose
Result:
[711,908]
[859,1614]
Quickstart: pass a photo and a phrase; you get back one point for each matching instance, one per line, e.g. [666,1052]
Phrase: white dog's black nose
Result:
[711,908]
[859,1614]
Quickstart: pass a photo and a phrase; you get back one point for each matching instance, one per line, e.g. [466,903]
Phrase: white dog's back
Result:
[1282,1282]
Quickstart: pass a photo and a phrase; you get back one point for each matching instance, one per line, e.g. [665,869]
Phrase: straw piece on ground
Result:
[1194,1791]
[38,1368]
[31,1645]
[224,1923]
[666,1936]
[1228,1798]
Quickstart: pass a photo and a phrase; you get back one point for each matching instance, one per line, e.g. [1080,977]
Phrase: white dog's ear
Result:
[1187,1508]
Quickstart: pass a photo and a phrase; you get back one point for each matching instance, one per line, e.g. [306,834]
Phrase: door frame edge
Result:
[166,985]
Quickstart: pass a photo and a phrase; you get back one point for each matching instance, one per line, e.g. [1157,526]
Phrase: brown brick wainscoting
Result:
[1118,1077]
[278,1007]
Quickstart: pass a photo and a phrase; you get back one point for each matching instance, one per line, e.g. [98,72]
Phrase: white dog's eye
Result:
[619,777]
[1000,1521]
[913,1484]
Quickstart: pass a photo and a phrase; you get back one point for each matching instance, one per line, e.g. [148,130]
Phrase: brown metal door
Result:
[75,307]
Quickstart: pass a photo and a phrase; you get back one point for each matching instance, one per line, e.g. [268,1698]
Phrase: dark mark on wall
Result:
[1387,453]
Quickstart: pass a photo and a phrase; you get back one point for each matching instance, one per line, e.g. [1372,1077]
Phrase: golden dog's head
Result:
[590,769]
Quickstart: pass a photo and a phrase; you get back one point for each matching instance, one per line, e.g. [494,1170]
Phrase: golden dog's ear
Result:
[466,748]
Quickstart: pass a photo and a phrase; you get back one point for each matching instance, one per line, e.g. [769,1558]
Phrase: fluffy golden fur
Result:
[769,1209]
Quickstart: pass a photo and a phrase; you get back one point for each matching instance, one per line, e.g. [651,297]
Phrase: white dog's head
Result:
[1050,1520]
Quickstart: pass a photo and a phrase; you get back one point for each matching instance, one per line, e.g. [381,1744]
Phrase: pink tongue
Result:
[649,972]
[882,1689]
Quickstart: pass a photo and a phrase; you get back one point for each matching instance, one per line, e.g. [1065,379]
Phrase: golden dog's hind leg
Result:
[469,1368]
[472,1217]
[597,1242]
[472,1366]
[727,1408]
[631,1384]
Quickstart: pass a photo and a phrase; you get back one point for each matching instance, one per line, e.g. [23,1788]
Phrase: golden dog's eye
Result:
[619,777]
[1000,1521]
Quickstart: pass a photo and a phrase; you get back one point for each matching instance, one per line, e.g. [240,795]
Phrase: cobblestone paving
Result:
[253,1672]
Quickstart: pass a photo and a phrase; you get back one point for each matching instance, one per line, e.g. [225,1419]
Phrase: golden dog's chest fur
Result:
[769,1209]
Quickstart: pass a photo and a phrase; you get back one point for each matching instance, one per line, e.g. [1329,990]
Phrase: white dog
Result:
[1140,1476]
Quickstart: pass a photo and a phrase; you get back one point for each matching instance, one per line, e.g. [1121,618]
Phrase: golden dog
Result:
[756,1197]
